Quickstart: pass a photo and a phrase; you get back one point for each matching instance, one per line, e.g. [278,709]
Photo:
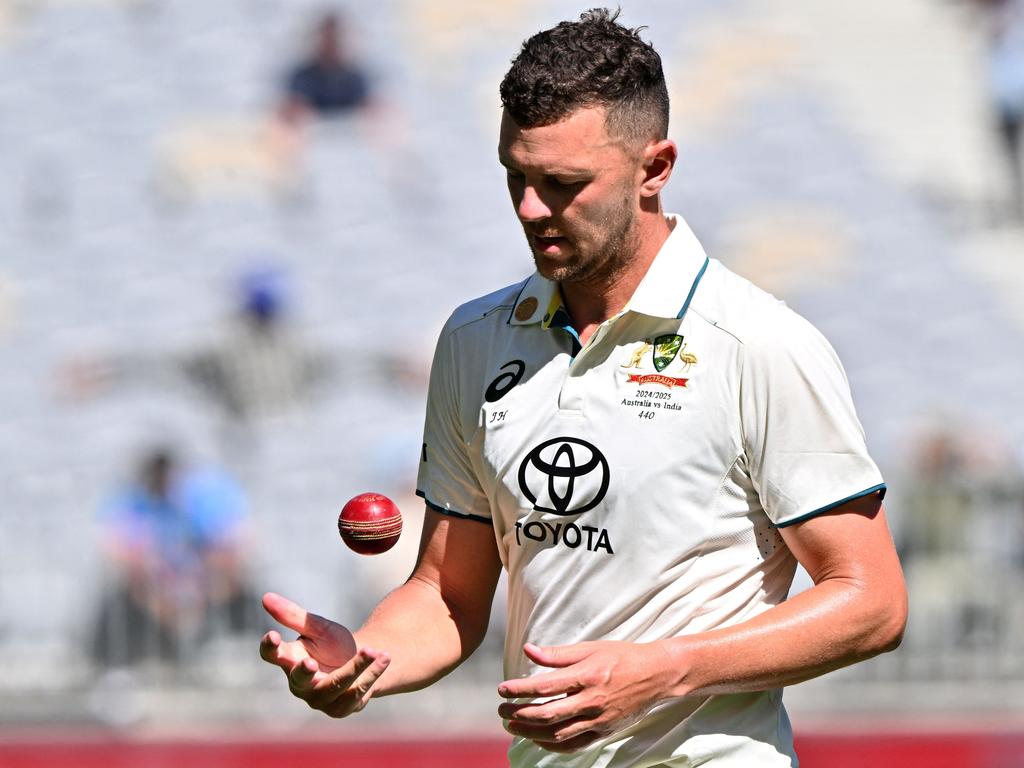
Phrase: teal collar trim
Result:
[693,289]
[674,274]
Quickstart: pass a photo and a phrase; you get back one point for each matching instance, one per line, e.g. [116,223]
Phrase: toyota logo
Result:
[567,474]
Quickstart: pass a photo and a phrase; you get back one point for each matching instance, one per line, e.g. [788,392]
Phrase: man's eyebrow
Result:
[581,172]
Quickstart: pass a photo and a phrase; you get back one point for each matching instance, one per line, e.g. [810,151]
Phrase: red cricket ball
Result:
[370,523]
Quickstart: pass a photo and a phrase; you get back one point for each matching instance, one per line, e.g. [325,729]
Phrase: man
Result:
[646,442]
[330,82]
[1005,68]
[174,537]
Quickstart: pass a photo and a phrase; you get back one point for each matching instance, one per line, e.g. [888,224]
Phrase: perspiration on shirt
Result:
[636,485]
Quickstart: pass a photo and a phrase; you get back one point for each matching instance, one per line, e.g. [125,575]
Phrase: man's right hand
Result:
[323,665]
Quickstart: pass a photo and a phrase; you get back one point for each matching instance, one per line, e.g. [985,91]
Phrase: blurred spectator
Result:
[937,510]
[173,537]
[1006,68]
[254,368]
[329,82]
[961,536]
[1004,22]
[257,367]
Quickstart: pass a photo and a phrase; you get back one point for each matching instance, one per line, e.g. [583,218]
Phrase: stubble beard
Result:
[598,267]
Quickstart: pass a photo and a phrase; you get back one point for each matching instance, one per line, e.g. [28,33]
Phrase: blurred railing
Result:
[961,543]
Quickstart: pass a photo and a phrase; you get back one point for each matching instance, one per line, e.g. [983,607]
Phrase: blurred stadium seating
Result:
[142,171]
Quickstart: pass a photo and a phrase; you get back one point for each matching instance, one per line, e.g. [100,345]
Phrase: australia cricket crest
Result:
[666,348]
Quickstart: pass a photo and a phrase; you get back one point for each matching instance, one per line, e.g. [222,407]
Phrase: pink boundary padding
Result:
[52,749]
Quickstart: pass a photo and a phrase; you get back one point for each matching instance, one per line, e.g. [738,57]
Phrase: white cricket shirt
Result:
[635,486]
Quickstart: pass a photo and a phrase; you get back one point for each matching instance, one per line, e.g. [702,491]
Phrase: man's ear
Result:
[659,160]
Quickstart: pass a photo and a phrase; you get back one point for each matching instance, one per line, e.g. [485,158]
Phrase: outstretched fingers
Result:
[348,689]
[274,650]
[323,666]
[301,678]
[293,615]
[269,644]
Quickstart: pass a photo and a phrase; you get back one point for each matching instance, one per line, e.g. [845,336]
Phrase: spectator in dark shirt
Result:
[329,83]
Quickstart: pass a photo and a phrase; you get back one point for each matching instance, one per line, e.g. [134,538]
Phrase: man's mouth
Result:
[550,244]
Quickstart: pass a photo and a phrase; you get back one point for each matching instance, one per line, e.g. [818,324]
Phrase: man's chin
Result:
[552,269]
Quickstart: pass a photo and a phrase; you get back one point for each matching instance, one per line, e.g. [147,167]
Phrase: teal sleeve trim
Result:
[693,289]
[880,489]
[451,512]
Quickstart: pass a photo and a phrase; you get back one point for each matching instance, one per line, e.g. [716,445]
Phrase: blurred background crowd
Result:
[230,231]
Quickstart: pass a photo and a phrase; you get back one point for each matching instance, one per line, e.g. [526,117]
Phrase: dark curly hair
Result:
[589,63]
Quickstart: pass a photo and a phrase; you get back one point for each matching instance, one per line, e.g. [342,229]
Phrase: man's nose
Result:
[531,207]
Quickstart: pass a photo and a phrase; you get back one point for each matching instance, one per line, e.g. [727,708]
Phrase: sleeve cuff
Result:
[451,512]
[880,489]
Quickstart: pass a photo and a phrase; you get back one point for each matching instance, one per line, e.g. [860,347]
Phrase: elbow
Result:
[891,635]
[898,622]
[890,622]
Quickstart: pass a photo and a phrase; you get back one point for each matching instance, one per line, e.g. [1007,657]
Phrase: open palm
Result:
[323,665]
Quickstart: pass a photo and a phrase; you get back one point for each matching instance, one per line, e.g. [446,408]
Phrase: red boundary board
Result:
[252,754]
[817,750]
[924,749]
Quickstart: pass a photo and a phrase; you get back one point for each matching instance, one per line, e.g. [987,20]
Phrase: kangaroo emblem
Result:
[638,357]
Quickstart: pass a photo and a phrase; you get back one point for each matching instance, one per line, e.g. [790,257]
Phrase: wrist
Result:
[679,654]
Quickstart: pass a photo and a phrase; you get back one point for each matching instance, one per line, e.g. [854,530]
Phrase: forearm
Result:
[836,623]
[425,635]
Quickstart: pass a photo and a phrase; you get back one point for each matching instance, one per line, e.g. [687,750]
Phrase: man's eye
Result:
[556,182]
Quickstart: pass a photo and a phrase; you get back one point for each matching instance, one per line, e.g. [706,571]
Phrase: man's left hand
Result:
[601,687]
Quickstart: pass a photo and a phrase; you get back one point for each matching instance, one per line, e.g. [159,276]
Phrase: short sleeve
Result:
[805,448]
[446,480]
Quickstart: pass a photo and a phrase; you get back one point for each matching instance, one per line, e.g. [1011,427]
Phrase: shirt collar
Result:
[537,302]
[665,291]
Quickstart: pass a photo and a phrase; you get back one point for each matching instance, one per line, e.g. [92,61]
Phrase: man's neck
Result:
[589,305]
